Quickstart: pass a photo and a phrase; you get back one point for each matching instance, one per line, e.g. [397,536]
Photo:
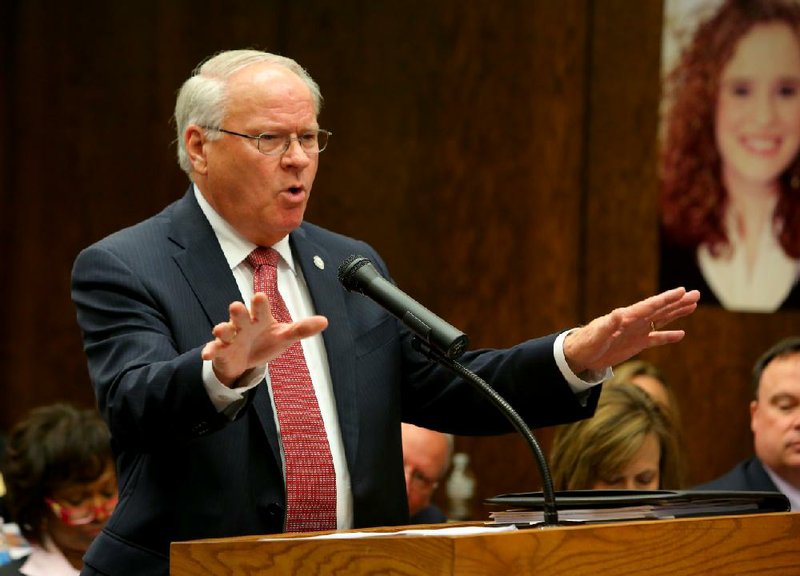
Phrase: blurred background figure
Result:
[730,173]
[426,459]
[651,379]
[61,487]
[630,443]
[460,489]
[3,510]
[775,422]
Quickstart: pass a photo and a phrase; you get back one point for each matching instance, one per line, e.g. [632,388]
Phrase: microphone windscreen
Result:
[348,269]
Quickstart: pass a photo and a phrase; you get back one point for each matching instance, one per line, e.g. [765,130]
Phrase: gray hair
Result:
[202,98]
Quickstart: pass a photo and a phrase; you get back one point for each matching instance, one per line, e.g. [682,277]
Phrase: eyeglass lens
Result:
[82,514]
[312,142]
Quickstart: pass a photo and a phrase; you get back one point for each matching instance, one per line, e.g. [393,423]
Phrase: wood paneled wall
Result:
[500,155]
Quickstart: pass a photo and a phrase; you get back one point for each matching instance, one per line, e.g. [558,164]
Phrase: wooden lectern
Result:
[748,544]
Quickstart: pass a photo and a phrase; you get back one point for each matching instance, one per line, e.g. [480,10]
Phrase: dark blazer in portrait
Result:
[147,298]
[748,475]
[679,267]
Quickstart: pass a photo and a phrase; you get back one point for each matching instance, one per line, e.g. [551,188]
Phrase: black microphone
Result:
[357,274]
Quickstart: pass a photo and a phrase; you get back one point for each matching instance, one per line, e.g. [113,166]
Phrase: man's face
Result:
[775,417]
[262,197]
[425,454]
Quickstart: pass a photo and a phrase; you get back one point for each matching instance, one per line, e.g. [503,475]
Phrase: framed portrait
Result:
[729,152]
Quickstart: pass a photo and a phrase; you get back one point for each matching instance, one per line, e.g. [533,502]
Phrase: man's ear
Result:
[194,138]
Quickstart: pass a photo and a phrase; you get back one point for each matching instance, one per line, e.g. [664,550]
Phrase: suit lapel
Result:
[206,270]
[201,261]
[327,294]
[758,477]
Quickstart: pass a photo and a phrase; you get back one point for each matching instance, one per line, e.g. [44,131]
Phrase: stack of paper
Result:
[616,505]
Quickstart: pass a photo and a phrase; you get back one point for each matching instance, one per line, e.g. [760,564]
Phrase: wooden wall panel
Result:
[7,45]
[93,92]
[512,191]
[501,156]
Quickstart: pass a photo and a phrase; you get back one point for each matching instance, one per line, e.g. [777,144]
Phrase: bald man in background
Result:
[426,459]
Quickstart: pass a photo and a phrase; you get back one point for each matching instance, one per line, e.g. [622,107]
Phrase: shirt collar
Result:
[234,246]
[792,493]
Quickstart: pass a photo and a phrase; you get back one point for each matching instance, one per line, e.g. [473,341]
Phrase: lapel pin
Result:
[319,263]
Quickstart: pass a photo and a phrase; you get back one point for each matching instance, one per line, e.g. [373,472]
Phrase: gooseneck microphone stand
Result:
[549,498]
[440,341]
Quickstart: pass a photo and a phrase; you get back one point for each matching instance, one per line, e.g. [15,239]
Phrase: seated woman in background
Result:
[629,443]
[650,378]
[61,487]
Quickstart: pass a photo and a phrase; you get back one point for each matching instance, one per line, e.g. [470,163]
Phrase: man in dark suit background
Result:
[775,422]
[180,364]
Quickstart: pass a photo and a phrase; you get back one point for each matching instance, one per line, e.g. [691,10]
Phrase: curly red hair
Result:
[693,197]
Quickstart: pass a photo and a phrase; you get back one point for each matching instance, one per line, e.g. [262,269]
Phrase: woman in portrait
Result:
[730,173]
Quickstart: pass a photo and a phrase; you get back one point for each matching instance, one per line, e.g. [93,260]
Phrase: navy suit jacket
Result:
[431,514]
[147,298]
[748,475]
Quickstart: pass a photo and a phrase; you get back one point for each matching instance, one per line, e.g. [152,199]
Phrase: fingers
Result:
[240,316]
[209,351]
[688,301]
[673,310]
[665,337]
[660,302]
[212,349]
[307,327]
[257,329]
[226,332]
[259,309]
[260,312]
[224,335]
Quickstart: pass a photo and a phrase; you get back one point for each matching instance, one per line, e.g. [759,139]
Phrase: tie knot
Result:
[261,256]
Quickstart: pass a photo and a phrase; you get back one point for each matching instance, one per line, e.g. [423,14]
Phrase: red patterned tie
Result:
[310,478]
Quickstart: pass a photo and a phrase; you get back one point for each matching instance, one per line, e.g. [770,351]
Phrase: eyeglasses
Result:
[85,513]
[275,144]
[420,482]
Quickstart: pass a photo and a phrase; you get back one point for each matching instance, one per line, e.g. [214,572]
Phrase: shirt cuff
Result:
[586,379]
[220,395]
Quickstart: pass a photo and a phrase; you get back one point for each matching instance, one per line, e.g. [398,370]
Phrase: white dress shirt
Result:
[792,493]
[762,289]
[292,287]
